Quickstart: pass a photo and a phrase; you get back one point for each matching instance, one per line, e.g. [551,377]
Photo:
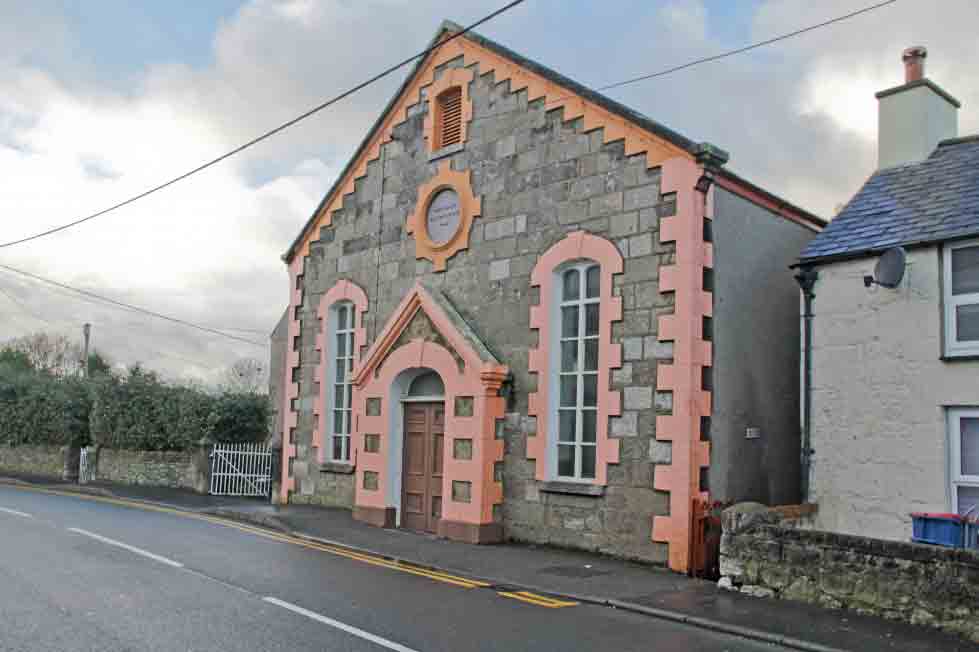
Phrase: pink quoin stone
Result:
[691,353]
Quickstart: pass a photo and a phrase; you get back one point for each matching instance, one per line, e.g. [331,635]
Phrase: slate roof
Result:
[930,201]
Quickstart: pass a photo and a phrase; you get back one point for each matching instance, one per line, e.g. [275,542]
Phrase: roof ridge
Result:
[959,140]
[623,111]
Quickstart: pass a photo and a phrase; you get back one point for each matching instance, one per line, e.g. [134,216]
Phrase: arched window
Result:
[448,120]
[574,359]
[342,327]
[575,367]
[428,385]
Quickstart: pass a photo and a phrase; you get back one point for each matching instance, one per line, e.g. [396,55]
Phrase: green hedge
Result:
[136,412]
[142,413]
[41,409]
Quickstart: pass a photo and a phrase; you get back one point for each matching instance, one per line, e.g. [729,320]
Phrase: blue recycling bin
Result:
[938,529]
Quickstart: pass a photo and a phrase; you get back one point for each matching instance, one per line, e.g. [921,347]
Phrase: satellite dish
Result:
[889,270]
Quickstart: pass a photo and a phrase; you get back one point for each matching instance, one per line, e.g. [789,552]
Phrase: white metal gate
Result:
[87,462]
[241,469]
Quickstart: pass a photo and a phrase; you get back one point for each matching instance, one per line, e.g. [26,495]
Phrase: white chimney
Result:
[914,117]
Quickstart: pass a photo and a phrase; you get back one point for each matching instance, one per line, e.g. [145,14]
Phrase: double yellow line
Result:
[366,558]
[539,600]
[373,560]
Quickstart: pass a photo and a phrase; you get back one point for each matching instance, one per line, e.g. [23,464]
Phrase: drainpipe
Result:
[806,278]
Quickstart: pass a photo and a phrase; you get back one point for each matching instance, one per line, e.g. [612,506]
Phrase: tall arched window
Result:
[579,304]
[342,327]
[573,360]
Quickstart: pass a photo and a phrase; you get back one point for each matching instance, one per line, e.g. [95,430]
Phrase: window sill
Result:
[446,151]
[342,468]
[572,488]
[960,357]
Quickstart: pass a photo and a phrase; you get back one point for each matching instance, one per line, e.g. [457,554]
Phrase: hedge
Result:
[142,413]
[136,412]
[41,409]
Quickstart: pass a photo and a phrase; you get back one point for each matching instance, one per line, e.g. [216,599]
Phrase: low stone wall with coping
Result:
[765,553]
[48,461]
[176,469]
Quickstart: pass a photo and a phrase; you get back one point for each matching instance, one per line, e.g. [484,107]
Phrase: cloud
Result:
[798,117]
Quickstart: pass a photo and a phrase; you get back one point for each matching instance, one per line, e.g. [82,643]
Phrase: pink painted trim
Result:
[690,354]
[373,379]
[341,291]
[575,246]
[290,390]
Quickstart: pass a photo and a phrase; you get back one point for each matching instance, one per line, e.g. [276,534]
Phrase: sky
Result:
[101,99]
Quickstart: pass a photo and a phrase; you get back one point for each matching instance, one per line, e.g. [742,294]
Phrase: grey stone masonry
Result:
[539,178]
[765,553]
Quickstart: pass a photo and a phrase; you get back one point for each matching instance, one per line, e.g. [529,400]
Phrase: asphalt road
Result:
[81,574]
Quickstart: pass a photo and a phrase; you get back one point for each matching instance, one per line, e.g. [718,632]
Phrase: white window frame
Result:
[953,347]
[958,479]
[330,385]
[558,302]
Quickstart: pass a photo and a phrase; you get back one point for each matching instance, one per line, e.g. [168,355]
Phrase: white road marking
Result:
[126,546]
[15,512]
[350,629]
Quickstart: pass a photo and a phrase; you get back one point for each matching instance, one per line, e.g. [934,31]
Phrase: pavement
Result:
[552,574]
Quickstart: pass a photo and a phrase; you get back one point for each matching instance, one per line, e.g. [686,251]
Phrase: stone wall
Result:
[176,469]
[539,178]
[879,392]
[46,461]
[766,554]
[332,487]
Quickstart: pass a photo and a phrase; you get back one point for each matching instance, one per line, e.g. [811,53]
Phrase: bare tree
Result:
[246,375]
[54,354]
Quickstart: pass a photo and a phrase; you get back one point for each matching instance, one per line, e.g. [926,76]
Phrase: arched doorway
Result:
[467,410]
[423,452]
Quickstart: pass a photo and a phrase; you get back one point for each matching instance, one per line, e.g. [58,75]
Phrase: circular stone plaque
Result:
[442,220]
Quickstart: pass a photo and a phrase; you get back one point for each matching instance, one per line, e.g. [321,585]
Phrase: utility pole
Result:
[87,331]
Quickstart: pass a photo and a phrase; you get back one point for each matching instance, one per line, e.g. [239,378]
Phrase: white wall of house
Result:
[880,389]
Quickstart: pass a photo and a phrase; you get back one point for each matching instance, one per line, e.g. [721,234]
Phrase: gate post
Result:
[72,459]
[200,466]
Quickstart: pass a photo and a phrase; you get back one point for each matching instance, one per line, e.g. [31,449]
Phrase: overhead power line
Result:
[102,326]
[267,134]
[23,308]
[753,46]
[100,302]
[128,306]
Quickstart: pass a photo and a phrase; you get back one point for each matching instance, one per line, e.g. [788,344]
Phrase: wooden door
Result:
[421,493]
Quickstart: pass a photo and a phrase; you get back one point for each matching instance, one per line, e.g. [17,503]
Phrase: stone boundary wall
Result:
[176,469]
[46,461]
[766,554]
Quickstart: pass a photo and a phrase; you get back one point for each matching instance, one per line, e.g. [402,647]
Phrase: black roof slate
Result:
[930,201]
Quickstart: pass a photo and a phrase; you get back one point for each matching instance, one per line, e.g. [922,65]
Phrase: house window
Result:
[576,370]
[964,435]
[341,364]
[962,298]
[448,121]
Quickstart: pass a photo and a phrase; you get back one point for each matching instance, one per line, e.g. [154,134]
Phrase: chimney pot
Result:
[914,63]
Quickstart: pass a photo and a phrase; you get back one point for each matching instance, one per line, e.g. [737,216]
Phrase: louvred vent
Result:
[450,117]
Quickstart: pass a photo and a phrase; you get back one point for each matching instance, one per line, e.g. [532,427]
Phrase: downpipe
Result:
[806,278]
